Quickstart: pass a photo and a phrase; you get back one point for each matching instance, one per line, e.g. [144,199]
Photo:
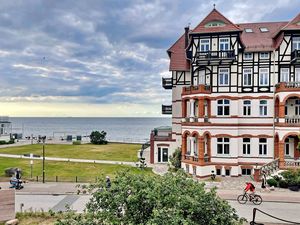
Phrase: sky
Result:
[94,58]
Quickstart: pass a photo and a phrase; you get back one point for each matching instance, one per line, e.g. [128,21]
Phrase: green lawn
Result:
[66,171]
[111,151]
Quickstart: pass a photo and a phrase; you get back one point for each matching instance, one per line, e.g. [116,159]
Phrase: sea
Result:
[121,129]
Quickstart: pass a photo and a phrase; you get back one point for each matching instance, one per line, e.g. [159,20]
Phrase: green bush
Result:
[11,141]
[76,142]
[175,159]
[277,178]
[283,184]
[272,182]
[98,138]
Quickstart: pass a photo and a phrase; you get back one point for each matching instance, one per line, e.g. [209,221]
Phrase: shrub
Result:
[98,138]
[11,141]
[175,159]
[277,178]
[283,184]
[76,142]
[272,182]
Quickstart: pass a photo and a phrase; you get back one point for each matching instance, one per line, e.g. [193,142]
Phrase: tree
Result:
[175,159]
[98,138]
[139,199]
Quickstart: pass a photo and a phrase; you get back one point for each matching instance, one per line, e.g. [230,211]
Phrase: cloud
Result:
[106,52]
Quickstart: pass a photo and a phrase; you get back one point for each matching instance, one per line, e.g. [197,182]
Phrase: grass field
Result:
[111,151]
[66,171]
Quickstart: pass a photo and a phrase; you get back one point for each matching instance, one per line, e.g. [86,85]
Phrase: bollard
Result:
[76,179]
[56,178]
[37,178]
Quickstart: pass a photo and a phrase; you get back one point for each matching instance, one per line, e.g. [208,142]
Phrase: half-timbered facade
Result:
[235,96]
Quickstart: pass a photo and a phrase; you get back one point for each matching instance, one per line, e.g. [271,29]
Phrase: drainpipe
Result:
[274,84]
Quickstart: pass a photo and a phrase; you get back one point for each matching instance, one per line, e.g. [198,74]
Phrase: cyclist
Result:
[250,187]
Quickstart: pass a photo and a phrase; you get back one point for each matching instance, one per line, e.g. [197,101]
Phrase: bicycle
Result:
[254,198]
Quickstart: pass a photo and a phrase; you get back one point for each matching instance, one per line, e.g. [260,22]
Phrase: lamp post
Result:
[31,164]
[43,139]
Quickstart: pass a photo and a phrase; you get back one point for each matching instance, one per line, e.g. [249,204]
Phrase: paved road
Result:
[70,160]
[288,211]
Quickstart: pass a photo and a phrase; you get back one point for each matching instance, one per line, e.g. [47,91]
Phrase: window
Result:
[297,107]
[248,56]
[248,30]
[215,23]
[296,43]
[223,76]
[297,75]
[224,44]
[223,107]
[247,108]
[287,147]
[218,172]
[263,108]
[204,45]
[263,29]
[263,76]
[246,146]
[247,77]
[227,172]
[284,74]
[194,170]
[263,146]
[246,171]
[264,55]
[187,168]
[223,146]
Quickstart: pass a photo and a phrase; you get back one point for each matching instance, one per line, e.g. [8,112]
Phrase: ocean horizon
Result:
[121,129]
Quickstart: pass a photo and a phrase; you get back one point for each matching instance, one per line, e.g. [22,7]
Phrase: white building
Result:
[5,128]
[235,96]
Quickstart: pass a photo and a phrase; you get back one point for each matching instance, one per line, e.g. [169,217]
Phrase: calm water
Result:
[118,129]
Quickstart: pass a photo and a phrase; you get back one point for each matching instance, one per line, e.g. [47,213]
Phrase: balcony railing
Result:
[215,57]
[287,86]
[292,119]
[295,56]
[289,164]
[167,83]
[166,109]
[200,89]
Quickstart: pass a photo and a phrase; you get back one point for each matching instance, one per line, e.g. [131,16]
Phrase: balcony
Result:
[295,56]
[287,86]
[166,109]
[167,83]
[200,89]
[292,119]
[215,57]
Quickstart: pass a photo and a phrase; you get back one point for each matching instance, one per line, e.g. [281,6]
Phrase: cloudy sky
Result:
[102,57]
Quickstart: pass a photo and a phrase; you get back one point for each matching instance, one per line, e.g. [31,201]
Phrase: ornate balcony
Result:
[215,57]
[295,56]
[292,119]
[200,89]
[166,109]
[287,86]
[167,83]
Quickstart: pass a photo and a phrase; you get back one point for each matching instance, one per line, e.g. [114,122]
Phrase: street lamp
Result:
[43,140]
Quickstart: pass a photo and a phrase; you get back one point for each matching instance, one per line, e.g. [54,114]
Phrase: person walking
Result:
[108,183]
[264,182]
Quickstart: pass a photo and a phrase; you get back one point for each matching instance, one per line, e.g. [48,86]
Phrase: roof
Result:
[261,41]
[215,15]
[161,128]
[256,41]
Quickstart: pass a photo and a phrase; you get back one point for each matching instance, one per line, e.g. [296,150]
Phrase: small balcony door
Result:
[289,147]
[297,75]
[165,155]
[199,78]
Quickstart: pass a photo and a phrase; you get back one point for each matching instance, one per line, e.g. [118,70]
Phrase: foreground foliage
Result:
[137,199]
[175,159]
[98,138]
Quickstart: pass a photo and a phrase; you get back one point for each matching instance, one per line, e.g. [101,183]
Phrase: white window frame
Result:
[297,107]
[263,146]
[205,43]
[248,56]
[223,74]
[284,74]
[224,105]
[247,72]
[297,74]
[296,43]
[264,55]
[263,107]
[247,108]
[246,146]
[264,77]
[224,42]
[223,144]
[263,29]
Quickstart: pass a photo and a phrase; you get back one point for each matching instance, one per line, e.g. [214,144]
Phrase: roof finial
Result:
[214,6]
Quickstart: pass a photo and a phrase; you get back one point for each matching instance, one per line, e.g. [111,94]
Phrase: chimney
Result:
[186,36]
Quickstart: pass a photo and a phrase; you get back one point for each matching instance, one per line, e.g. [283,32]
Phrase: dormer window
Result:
[296,43]
[215,23]
[298,23]
[248,30]
[264,29]
[248,55]
[264,55]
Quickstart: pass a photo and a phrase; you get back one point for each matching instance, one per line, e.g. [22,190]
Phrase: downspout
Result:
[274,113]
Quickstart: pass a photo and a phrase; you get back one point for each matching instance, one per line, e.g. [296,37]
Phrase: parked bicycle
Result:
[254,198]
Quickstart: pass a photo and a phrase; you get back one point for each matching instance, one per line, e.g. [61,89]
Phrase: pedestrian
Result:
[264,182]
[108,183]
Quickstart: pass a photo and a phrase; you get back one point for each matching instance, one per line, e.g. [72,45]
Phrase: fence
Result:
[76,179]
[274,217]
